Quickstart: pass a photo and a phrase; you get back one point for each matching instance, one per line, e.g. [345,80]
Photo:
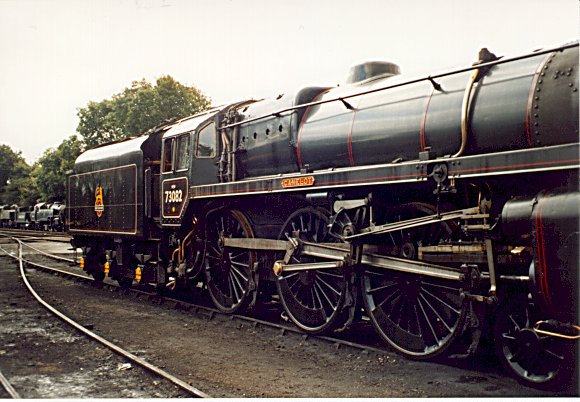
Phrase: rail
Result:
[128,355]
[8,387]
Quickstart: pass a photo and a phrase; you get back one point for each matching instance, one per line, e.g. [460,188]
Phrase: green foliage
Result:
[11,164]
[98,124]
[138,109]
[17,185]
[22,191]
[52,168]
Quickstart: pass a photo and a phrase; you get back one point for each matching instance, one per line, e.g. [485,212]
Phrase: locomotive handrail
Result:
[429,78]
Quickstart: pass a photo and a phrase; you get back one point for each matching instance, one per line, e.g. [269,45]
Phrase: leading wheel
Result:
[417,315]
[533,358]
[313,299]
[228,271]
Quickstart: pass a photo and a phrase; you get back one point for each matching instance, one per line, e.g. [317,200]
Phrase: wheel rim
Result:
[419,316]
[228,271]
[314,299]
[532,358]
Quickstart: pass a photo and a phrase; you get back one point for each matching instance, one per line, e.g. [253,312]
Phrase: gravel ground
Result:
[44,358]
[220,356]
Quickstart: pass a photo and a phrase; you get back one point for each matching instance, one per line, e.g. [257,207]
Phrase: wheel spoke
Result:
[435,337]
[317,294]
[514,322]
[450,307]
[508,337]
[330,304]
[373,290]
[335,291]
[216,250]
[393,297]
[296,285]
[420,332]
[236,264]
[239,275]
[436,313]
[554,355]
[312,297]
[233,281]
[236,256]
[438,285]
[288,276]
[333,275]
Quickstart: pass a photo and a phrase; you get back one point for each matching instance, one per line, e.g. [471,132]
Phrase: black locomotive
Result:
[437,207]
[46,216]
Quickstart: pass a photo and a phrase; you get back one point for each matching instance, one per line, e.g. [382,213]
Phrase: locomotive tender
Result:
[442,205]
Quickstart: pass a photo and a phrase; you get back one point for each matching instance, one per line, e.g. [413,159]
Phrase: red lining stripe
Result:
[350,151]
[542,263]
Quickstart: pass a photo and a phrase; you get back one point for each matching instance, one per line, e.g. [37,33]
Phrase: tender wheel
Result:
[125,282]
[313,300]
[228,271]
[533,358]
[419,316]
[98,276]
[94,265]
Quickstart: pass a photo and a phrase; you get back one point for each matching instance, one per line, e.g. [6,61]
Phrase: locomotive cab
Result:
[190,157]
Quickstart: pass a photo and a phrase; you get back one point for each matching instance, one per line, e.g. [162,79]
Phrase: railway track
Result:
[25,233]
[369,347]
[192,391]
[182,304]
[8,387]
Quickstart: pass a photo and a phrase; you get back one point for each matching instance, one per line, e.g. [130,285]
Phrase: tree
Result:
[16,184]
[98,124]
[10,163]
[22,191]
[52,168]
[137,109]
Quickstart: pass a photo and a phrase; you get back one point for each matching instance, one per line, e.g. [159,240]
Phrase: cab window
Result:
[183,152]
[168,155]
[206,142]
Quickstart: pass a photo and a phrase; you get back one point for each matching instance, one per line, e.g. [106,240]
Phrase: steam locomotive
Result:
[47,216]
[442,208]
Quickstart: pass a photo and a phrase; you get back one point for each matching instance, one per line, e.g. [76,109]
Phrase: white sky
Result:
[57,55]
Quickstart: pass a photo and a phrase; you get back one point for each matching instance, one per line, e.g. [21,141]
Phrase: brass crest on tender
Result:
[99,204]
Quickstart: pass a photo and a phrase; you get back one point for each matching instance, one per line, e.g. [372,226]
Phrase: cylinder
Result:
[550,222]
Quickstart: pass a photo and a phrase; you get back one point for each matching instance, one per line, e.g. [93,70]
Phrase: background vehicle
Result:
[8,216]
